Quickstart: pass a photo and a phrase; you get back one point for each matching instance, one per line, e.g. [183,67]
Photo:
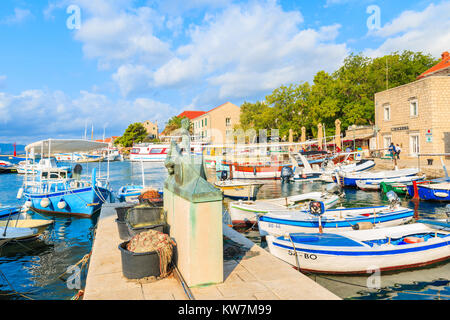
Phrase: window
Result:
[153,151]
[387,141]
[387,112]
[414,108]
[414,146]
[202,123]
[228,122]
[206,122]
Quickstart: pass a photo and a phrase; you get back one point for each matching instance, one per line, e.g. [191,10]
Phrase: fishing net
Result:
[150,196]
[152,240]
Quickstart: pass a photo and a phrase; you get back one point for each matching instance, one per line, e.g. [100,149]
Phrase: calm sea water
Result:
[33,268]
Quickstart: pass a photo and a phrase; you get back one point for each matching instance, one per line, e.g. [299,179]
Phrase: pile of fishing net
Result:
[153,240]
[150,196]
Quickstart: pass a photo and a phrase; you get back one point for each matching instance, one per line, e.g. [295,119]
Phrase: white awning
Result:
[65,146]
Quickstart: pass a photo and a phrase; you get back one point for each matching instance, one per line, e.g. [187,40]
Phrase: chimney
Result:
[445,55]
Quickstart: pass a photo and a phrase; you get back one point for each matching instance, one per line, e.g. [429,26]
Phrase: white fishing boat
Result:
[150,152]
[375,184]
[30,167]
[363,251]
[247,212]
[331,169]
[348,179]
[238,189]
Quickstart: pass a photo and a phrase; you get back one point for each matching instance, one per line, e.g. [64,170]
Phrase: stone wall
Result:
[433,97]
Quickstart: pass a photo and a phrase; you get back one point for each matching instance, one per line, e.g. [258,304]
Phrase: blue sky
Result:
[149,60]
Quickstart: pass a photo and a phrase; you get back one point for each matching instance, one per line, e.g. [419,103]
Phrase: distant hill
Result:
[8,148]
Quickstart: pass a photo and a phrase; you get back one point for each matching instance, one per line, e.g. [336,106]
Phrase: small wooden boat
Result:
[348,179]
[333,220]
[360,252]
[375,185]
[247,212]
[22,229]
[239,190]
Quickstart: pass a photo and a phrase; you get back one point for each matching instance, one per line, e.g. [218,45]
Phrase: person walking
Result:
[392,150]
[398,150]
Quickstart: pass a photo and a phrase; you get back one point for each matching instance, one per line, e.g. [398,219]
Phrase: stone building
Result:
[216,124]
[417,115]
[152,129]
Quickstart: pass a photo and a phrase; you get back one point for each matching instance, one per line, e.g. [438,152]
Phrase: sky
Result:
[70,64]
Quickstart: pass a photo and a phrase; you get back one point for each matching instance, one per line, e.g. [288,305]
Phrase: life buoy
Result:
[413,240]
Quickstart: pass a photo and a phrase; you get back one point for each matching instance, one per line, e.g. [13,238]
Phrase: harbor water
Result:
[35,270]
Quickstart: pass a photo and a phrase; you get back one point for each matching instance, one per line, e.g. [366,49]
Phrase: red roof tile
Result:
[191,114]
[445,63]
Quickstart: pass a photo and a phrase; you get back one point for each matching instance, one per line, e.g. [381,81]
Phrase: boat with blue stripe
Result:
[348,179]
[363,251]
[333,220]
[63,190]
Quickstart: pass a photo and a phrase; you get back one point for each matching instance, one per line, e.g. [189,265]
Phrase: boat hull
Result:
[244,214]
[363,260]
[83,202]
[240,191]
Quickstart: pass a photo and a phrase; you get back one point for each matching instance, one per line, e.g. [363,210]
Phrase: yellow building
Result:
[216,124]
[417,115]
[152,129]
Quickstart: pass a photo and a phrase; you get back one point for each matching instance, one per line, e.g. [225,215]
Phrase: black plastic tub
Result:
[123,230]
[122,212]
[157,227]
[139,265]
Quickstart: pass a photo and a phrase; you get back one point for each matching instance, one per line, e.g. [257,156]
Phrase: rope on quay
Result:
[83,263]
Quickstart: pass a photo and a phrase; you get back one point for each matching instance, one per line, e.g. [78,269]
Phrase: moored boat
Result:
[247,212]
[363,251]
[348,179]
[239,190]
[22,229]
[368,185]
[59,191]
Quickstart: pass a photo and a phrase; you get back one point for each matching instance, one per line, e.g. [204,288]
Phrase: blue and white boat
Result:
[330,169]
[375,184]
[129,193]
[57,190]
[433,191]
[363,251]
[333,220]
[348,179]
[6,212]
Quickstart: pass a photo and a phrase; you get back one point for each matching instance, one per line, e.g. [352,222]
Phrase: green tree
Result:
[135,133]
[174,123]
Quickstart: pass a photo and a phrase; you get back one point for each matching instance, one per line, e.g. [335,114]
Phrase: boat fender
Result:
[62,204]
[45,202]
[20,193]
[28,203]
[413,240]
[363,226]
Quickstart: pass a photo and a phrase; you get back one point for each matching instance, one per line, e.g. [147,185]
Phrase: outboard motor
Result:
[223,175]
[317,208]
[286,174]
[77,171]
[393,199]
[447,210]
[334,188]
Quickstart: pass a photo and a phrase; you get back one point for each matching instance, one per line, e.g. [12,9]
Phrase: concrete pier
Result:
[252,274]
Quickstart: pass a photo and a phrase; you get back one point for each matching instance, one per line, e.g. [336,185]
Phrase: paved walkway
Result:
[256,276]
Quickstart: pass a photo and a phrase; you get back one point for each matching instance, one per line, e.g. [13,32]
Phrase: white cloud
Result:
[425,31]
[19,16]
[42,114]
[252,48]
